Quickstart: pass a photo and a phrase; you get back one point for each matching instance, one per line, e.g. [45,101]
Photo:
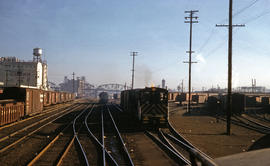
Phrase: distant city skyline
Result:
[94,38]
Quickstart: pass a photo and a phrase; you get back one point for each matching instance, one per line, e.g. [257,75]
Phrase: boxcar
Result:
[149,105]
[47,96]
[33,98]
[57,97]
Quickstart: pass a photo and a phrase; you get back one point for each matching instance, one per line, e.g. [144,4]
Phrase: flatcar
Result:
[149,106]
[103,97]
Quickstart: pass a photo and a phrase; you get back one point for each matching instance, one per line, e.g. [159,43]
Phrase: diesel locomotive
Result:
[103,97]
[149,106]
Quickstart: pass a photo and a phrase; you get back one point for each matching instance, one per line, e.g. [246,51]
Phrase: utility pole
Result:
[182,84]
[190,18]
[73,81]
[133,54]
[6,78]
[229,95]
[19,73]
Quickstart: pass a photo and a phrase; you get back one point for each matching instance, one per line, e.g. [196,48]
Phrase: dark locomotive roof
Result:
[149,89]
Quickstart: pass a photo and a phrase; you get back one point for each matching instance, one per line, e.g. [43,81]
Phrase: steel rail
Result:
[59,162]
[32,117]
[102,140]
[238,123]
[117,107]
[109,158]
[22,138]
[127,155]
[171,153]
[77,139]
[181,138]
[260,118]
[194,153]
[257,123]
[33,124]
[34,160]
[249,125]
[164,139]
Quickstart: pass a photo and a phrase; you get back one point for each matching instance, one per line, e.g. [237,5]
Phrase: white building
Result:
[16,73]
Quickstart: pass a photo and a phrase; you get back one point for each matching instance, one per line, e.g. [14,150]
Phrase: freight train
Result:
[103,97]
[149,106]
[17,103]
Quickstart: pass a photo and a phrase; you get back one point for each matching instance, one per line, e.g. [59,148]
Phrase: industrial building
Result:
[18,73]
[79,86]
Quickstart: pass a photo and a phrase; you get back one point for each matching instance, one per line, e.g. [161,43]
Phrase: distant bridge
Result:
[109,88]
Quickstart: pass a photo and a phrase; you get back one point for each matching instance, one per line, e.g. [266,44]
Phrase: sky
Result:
[94,38]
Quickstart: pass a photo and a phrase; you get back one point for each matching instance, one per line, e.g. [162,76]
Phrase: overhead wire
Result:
[245,8]
[212,32]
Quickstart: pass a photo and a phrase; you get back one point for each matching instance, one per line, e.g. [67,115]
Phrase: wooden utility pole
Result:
[73,82]
[182,86]
[6,78]
[133,54]
[190,18]
[229,95]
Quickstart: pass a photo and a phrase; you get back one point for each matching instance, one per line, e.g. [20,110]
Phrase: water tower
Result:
[37,52]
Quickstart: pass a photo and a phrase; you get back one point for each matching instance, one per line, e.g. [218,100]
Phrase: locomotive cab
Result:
[154,106]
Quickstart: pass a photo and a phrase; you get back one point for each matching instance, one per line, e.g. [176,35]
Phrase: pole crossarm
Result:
[235,25]
[189,62]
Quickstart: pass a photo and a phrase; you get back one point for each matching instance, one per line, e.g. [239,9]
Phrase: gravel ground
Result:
[209,135]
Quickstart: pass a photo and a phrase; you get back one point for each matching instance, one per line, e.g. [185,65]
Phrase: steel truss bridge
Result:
[111,89]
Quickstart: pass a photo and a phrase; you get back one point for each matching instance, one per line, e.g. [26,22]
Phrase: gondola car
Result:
[149,106]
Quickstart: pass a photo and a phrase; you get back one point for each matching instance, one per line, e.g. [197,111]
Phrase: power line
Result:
[257,17]
[245,8]
[213,30]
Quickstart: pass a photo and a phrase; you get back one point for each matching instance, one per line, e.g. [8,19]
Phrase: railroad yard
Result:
[84,132]
[134,83]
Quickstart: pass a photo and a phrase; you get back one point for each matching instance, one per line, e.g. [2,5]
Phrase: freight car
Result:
[17,103]
[32,98]
[217,103]
[10,111]
[103,97]
[148,106]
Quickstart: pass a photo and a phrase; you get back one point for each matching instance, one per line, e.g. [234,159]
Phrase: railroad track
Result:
[263,118]
[259,120]
[14,137]
[36,117]
[251,124]
[104,132]
[28,143]
[178,148]
[57,149]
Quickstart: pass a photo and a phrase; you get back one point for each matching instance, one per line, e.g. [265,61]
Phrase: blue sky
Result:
[94,38]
